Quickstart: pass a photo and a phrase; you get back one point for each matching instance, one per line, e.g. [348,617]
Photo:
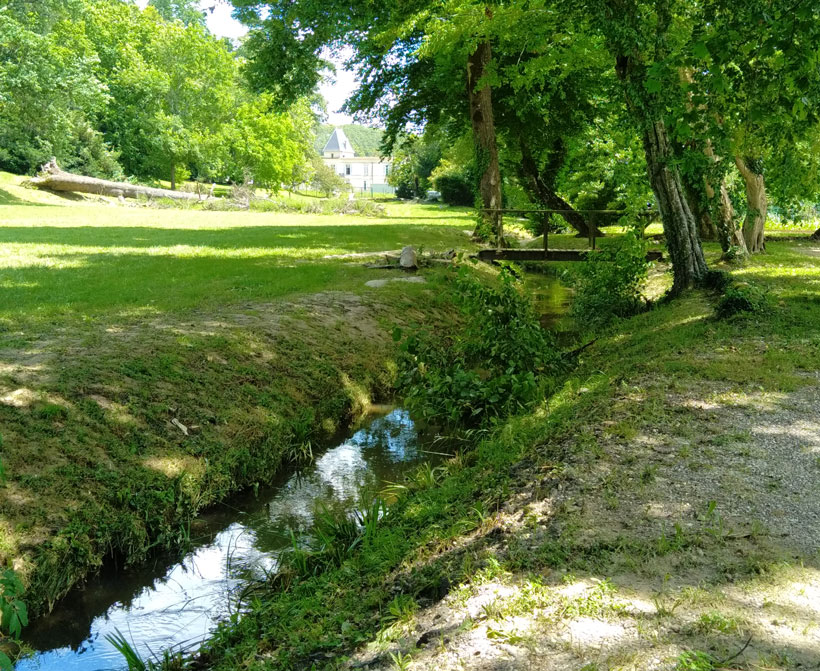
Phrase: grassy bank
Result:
[153,361]
[659,512]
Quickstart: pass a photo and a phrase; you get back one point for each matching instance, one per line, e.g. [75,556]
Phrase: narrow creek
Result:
[176,604]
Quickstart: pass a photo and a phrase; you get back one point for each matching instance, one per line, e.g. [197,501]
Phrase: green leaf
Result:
[700,50]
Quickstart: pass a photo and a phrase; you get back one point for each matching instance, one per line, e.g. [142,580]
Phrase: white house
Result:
[363,173]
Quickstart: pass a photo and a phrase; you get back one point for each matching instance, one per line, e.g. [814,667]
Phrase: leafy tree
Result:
[259,144]
[50,95]
[755,88]
[549,94]
[186,11]
[413,165]
[177,89]
[409,56]
[326,180]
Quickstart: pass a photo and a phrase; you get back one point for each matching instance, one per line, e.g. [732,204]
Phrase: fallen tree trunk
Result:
[53,178]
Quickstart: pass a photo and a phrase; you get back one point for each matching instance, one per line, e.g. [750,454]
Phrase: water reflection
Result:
[177,606]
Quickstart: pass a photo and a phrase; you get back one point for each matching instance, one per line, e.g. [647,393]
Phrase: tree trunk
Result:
[53,178]
[679,225]
[756,206]
[544,193]
[685,251]
[729,234]
[173,176]
[722,210]
[700,210]
[481,117]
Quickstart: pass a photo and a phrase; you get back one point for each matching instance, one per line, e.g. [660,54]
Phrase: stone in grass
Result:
[408,259]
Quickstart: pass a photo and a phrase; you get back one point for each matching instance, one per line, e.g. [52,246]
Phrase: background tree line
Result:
[112,90]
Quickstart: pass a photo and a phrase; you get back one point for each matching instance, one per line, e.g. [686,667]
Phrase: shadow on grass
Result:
[352,237]
[7,198]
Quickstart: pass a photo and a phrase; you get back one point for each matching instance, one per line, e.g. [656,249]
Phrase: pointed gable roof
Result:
[338,142]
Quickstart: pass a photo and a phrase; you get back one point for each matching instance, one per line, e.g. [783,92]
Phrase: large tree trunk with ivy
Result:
[541,185]
[723,212]
[679,225]
[483,123]
[53,178]
[729,233]
[756,205]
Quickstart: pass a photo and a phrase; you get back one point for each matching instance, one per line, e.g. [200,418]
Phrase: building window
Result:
[366,170]
[347,169]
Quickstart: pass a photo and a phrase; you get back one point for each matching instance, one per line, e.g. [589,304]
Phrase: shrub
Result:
[456,188]
[499,363]
[719,280]
[405,189]
[608,283]
[741,298]
[326,180]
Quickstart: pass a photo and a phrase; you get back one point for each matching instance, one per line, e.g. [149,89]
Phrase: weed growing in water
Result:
[500,364]
[608,284]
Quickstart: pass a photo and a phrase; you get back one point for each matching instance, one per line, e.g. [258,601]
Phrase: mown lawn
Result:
[68,261]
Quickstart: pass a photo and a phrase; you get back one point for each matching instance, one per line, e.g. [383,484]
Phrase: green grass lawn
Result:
[65,260]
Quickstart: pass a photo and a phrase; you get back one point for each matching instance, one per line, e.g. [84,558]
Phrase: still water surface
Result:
[177,604]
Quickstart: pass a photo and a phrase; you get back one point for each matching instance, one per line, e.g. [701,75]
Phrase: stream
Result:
[175,604]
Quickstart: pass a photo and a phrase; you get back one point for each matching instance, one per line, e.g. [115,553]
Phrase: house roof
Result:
[338,142]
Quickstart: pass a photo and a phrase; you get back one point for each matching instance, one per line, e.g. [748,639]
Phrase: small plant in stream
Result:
[608,283]
[129,653]
[500,363]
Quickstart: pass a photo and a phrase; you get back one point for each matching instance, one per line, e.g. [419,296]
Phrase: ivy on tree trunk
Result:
[483,124]
[679,225]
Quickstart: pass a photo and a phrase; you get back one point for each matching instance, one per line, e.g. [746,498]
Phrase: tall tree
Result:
[187,11]
[642,36]
[410,56]
[755,84]
[51,96]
